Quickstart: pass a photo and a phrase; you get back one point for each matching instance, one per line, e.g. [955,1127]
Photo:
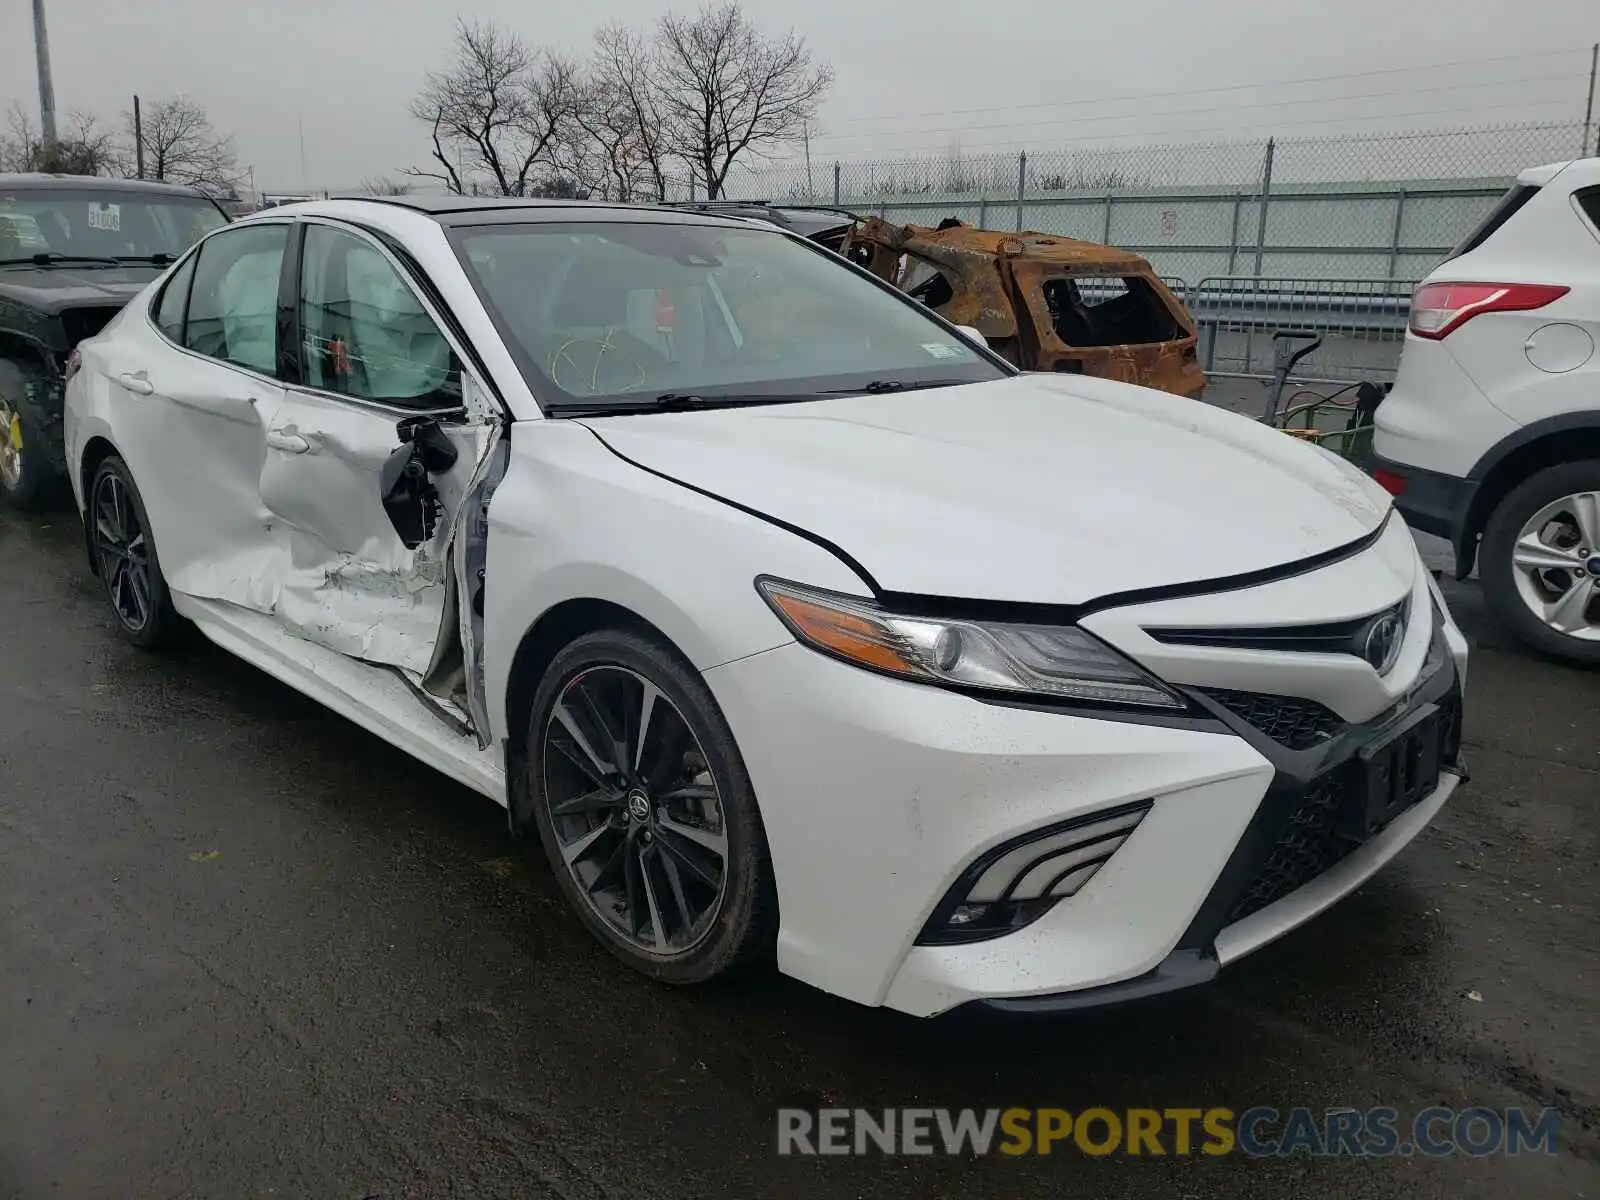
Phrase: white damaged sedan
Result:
[791,621]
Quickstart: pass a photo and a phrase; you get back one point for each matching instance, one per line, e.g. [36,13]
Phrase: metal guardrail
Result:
[1362,323]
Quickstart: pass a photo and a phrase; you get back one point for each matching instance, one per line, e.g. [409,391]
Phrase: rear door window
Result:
[174,300]
[1109,310]
[1505,208]
[1590,203]
[233,305]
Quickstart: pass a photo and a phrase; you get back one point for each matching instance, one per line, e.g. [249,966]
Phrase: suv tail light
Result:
[74,361]
[1439,309]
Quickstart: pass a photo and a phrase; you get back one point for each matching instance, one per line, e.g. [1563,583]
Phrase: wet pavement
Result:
[247,950]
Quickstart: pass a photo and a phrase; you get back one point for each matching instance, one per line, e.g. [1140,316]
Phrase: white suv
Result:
[1491,437]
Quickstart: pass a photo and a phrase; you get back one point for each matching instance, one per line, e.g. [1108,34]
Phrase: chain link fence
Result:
[1371,207]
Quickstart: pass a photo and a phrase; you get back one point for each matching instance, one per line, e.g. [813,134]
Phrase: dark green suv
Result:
[73,251]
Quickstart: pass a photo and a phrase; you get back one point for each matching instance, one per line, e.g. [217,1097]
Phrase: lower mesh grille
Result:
[1291,721]
[1309,844]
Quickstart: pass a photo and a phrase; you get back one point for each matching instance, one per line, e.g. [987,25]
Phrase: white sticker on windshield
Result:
[941,350]
[105,216]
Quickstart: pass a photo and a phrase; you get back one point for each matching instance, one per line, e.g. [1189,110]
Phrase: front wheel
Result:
[645,810]
[125,557]
[1540,561]
[26,481]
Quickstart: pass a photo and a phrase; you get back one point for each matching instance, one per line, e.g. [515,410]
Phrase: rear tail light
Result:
[74,362]
[1389,481]
[1438,309]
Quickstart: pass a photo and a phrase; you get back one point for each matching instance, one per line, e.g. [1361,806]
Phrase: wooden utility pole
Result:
[138,139]
[47,88]
[1588,109]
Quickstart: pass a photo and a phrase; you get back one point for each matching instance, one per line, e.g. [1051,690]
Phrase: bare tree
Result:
[82,147]
[181,146]
[383,185]
[602,151]
[725,89]
[499,114]
[621,115]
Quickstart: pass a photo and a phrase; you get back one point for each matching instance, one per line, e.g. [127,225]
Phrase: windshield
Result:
[600,312]
[107,223]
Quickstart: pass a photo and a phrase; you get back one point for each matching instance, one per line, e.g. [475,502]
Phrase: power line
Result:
[1069,140]
[1098,117]
[1232,87]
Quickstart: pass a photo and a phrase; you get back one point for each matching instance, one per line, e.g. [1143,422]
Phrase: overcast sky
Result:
[1012,73]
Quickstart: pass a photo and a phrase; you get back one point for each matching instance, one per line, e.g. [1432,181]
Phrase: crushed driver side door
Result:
[369,462]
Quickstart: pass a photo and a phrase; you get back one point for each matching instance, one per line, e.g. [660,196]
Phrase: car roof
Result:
[38,180]
[451,210]
[1580,171]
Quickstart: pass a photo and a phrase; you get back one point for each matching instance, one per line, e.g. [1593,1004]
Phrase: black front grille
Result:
[1310,843]
[1331,637]
[1291,721]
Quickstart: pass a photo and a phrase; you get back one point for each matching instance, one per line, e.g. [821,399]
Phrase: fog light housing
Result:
[1020,880]
[977,922]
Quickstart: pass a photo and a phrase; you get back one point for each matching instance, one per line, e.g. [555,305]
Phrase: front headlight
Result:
[1059,662]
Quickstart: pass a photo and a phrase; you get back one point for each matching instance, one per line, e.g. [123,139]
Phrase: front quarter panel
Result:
[573,521]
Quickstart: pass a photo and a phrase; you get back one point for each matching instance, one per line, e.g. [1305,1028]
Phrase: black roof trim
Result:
[441,205]
[95,183]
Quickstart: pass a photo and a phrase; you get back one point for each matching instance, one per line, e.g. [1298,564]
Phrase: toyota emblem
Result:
[1380,645]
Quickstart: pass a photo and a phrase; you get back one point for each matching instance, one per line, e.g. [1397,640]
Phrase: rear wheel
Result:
[125,557]
[645,810]
[1540,561]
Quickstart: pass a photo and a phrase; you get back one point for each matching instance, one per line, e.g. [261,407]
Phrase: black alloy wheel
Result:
[635,809]
[645,809]
[119,531]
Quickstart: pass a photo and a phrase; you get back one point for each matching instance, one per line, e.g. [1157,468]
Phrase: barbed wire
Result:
[1347,206]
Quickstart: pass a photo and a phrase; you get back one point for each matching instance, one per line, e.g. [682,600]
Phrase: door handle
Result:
[289,443]
[138,384]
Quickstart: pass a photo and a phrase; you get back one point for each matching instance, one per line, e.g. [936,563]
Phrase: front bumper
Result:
[41,404]
[877,795]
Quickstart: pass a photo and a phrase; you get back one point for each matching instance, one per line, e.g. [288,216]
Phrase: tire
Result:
[1504,582]
[605,674]
[27,482]
[115,515]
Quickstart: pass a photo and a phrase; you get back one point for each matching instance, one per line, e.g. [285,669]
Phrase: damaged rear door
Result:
[199,397]
[380,451]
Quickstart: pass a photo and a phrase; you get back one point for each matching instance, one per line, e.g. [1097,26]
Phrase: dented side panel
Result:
[337,573]
[202,433]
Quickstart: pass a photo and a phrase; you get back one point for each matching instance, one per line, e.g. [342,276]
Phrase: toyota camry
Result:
[787,622]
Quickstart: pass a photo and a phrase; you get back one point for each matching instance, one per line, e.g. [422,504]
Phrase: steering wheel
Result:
[587,359]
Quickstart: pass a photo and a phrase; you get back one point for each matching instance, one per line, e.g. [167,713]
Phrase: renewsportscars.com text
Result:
[1157,1132]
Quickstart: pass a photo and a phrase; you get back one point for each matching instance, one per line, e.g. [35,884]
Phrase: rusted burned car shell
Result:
[1002,284]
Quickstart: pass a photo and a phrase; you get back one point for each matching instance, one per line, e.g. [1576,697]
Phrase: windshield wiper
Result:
[674,402]
[159,259]
[49,258]
[682,401]
[879,387]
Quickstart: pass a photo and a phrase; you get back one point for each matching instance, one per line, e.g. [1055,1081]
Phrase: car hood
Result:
[55,289]
[1036,488]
